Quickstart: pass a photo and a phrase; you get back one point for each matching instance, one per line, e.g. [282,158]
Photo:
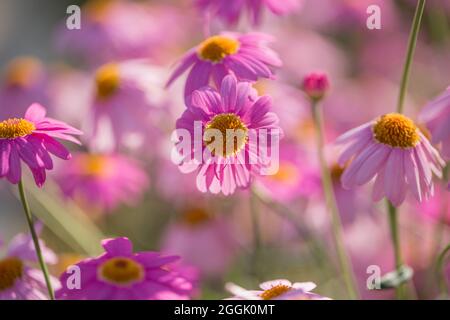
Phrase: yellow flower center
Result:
[336,172]
[195,216]
[287,173]
[97,10]
[94,165]
[121,271]
[396,130]
[230,129]
[108,80]
[23,72]
[11,269]
[275,292]
[216,48]
[15,128]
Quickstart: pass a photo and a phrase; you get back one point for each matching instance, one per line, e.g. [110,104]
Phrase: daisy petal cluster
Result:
[19,280]
[32,140]
[280,289]
[121,274]
[396,153]
[235,109]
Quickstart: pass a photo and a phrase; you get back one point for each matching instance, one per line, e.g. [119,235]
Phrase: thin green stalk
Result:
[344,260]
[37,246]
[410,53]
[393,224]
[443,286]
[256,235]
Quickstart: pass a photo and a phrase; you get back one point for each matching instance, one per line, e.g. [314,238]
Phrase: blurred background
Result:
[135,190]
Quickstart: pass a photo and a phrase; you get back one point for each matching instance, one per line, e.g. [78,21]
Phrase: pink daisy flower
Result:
[246,129]
[392,149]
[230,11]
[103,181]
[247,56]
[436,115]
[32,139]
[19,280]
[120,274]
[280,289]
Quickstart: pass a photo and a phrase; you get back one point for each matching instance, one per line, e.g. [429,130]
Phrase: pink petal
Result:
[35,113]
[395,186]
[118,246]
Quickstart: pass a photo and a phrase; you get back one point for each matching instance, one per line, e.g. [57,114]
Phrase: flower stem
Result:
[344,260]
[256,235]
[37,246]
[443,287]
[393,224]
[410,53]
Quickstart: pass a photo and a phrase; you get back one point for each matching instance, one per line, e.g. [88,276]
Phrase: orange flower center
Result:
[275,292]
[107,80]
[23,72]
[11,269]
[216,48]
[121,271]
[396,130]
[195,216]
[94,165]
[15,128]
[230,129]
[287,173]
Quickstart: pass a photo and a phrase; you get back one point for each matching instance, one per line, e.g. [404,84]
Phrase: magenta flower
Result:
[394,150]
[124,102]
[120,274]
[32,139]
[280,289]
[245,129]
[316,85]
[247,56]
[436,115]
[18,279]
[103,181]
[231,10]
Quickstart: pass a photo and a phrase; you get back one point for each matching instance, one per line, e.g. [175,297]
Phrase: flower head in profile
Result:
[31,139]
[120,274]
[102,181]
[231,133]
[280,289]
[19,280]
[436,116]
[231,11]
[247,56]
[392,149]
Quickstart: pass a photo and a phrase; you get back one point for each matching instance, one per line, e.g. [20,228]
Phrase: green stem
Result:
[443,286]
[410,53]
[37,246]
[336,224]
[256,235]
[393,224]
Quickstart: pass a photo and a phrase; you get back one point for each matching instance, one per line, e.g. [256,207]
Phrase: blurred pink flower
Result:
[24,83]
[125,100]
[102,181]
[231,10]
[280,289]
[316,85]
[237,108]
[120,30]
[437,208]
[247,56]
[436,115]
[120,274]
[31,140]
[296,176]
[18,279]
[198,234]
[394,150]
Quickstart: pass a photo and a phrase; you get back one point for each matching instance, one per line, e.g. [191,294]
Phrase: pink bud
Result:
[315,85]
